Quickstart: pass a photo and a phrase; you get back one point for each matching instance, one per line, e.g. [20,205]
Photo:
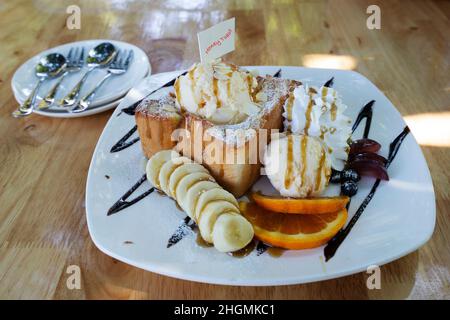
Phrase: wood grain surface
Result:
[44,161]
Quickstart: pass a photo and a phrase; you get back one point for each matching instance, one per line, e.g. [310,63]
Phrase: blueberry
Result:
[350,175]
[349,188]
[335,176]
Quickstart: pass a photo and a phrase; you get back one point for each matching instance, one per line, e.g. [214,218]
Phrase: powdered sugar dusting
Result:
[164,106]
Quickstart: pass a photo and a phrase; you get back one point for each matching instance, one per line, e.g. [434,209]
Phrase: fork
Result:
[75,61]
[118,66]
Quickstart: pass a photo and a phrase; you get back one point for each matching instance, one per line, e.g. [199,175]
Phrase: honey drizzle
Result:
[256,91]
[308,115]
[244,251]
[333,109]
[289,163]
[201,242]
[191,74]
[249,85]
[249,82]
[221,172]
[289,106]
[176,86]
[322,132]
[216,92]
[275,252]
[178,206]
[161,193]
[324,94]
[303,155]
[319,170]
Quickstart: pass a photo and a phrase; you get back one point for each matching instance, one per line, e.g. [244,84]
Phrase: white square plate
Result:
[399,219]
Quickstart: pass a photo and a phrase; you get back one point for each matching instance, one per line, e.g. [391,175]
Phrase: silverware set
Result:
[55,65]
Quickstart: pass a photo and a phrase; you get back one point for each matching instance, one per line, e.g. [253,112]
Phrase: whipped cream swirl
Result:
[220,92]
[319,112]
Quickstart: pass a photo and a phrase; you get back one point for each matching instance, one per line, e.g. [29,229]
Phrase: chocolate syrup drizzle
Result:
[329,83]
[183,229]
[123,143]
[366,112]
[122,203]
[132,108]
[261,247]
[277,74]
[336,241]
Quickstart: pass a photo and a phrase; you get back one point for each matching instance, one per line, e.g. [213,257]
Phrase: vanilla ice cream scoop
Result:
[219,92]
[319,112]
[297,165]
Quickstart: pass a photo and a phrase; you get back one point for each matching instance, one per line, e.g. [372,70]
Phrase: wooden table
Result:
[44,161]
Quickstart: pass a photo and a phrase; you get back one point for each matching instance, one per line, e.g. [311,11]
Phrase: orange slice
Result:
[303,206]
[288,231]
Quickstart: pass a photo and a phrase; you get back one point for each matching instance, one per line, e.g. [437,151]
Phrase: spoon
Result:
[75,61]
[50,66]
[99,56]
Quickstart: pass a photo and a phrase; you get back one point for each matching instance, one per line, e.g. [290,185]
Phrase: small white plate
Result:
[399,219]
[116,87]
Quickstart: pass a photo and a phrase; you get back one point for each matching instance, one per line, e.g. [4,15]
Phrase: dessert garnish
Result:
[214,209]
[363,160]
[336,241]
[319,113]
[364,145]
[349,188]
[297,165]
[300,206]
[218,91]
[293,231]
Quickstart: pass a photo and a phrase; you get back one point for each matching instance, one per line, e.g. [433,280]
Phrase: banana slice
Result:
[180,173]
[215,210]
[155,163]
[231,232]
[194,192]
[187,181]
[210,214]
[213,195]
[167,169]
